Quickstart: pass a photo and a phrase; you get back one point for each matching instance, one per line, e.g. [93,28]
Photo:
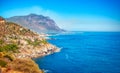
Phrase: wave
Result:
[67,56]
[58,50]
[66,33]
[46,71]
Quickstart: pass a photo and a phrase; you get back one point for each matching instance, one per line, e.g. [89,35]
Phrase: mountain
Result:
[38,23]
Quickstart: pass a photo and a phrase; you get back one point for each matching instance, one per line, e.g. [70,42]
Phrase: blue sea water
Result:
[84,52]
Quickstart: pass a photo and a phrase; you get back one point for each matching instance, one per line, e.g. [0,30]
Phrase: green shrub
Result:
[1,49]
[2,63]
[8,47]
[9,57]
[1,42]
[36,42]
[28,41]
[44,41]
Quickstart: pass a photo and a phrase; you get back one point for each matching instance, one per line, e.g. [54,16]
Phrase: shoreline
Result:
[37,52]
[19,46]
[47,49]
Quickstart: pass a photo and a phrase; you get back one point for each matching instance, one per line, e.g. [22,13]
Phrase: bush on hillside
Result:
[8,47]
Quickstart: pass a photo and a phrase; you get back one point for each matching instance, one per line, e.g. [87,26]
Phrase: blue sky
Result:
[78,15]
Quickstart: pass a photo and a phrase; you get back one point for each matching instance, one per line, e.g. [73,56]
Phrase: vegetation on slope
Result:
[20,65]
[12,40]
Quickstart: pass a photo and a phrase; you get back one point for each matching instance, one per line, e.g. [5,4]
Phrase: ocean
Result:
[83,52]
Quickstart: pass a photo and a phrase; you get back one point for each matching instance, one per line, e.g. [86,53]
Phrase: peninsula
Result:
[18,45]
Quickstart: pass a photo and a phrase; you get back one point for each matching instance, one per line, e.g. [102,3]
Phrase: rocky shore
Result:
[18,45]
[31,46]
[37,52]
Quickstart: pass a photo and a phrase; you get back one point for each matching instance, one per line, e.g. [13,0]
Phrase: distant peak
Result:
[36,22]
[35,15]
[32,14]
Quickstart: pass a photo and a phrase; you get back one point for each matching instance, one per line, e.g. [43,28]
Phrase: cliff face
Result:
[19,43]
[38,23]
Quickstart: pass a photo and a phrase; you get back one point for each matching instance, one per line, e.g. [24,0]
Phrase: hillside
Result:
[18,45]
[38,23]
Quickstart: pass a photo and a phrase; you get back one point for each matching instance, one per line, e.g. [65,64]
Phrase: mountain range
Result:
[37,23]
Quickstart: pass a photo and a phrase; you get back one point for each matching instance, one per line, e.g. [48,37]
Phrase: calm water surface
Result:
[87,52]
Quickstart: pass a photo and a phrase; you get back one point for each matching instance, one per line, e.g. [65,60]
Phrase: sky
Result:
[73,15]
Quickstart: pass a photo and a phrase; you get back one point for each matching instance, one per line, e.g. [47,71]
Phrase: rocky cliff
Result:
[38,23]
[18,45]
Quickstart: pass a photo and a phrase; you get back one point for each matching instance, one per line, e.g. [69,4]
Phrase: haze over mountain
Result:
[38,23]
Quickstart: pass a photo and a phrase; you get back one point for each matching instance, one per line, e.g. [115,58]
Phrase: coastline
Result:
[19,46]
[37,52]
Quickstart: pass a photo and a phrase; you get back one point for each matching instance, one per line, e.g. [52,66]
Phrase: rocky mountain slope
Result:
[38,23]
[18,45]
